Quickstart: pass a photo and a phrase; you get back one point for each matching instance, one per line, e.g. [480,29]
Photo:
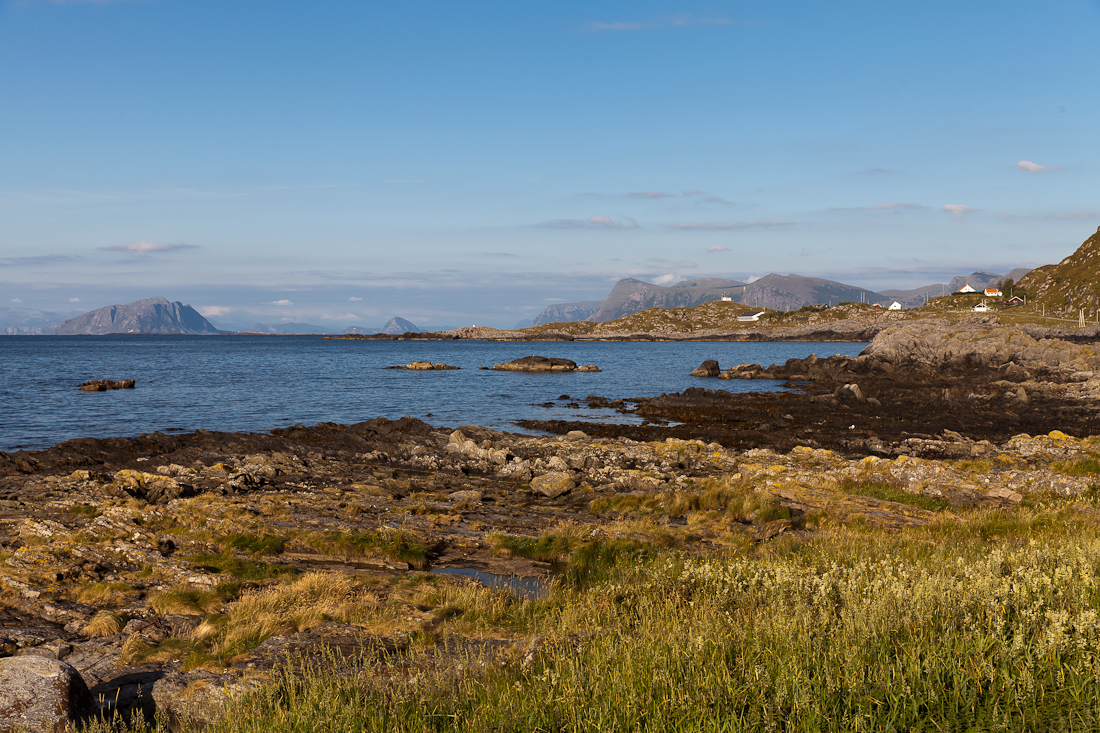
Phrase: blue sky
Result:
[344,162]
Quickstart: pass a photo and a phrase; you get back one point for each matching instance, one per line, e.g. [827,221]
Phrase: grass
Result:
[394,543]
[929,629]
[888,492]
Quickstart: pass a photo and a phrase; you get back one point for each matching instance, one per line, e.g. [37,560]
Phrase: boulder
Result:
[554,484]
[708,368]
[42,695]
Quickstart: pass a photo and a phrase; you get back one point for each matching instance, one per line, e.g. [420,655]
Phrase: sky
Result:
[340,163]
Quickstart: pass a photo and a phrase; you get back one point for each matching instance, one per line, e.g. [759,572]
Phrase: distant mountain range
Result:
[287,328]
[773,292]
[30,321]
[395,327]
[152,315]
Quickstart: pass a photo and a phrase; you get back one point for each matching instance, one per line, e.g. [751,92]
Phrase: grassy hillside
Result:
[1071,284]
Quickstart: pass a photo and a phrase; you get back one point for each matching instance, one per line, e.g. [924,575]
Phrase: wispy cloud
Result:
[958,211]
[144,249]
[284,301]
[17,300]
[592,222]
[650,194]
[74,300]
[37,260]
[1027,165]
[353,299]
[683,20]
[718,248]
[1075,215]
[713,227]
[686,264]
[889,206]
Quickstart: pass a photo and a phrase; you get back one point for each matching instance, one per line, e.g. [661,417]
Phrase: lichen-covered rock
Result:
[553,485]
[542,364]
[41,695]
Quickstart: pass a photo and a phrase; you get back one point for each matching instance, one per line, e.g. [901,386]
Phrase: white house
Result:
[750,316]
[727,299]
[980,308]
[993,293]
[895,306]
[966,289]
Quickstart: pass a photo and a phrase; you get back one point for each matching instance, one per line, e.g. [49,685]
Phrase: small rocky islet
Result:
[122,560]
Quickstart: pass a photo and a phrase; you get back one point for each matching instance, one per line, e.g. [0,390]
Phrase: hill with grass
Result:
[1071,284]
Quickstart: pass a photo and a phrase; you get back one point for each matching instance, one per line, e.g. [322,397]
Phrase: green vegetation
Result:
[396,544]
[991,623]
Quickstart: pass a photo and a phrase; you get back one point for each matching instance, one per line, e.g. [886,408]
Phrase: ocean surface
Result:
[257,383]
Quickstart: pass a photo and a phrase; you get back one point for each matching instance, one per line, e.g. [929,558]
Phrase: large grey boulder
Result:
[42,695]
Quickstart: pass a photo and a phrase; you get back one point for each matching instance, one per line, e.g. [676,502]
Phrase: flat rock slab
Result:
[41,695]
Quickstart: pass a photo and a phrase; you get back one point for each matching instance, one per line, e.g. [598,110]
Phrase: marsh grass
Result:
[888,492]
[394,543]
[736,499]
[242,568]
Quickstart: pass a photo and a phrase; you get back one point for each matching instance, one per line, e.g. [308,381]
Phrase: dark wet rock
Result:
[708,368]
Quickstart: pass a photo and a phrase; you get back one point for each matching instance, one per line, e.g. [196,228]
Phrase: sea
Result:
[260,383]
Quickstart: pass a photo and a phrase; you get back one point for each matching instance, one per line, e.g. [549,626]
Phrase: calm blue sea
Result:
[256,383]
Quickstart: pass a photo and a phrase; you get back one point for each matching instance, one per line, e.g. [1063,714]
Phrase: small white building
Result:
[750,316]
[980,308]
[895,306]
[727,299]
[966,289]
[993,293]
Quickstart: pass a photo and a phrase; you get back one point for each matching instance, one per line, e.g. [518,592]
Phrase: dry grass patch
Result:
[105,623]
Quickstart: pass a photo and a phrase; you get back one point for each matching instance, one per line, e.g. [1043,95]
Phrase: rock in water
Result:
[102,385]
[708,368]
[42,695]
[537,364]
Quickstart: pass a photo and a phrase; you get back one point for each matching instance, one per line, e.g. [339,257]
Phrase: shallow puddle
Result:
[522,587]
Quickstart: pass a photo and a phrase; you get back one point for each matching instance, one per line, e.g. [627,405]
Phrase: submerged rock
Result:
[102,385]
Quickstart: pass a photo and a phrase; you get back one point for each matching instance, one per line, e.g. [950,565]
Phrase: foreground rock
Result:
[41,695]
[102,385]
[543,364]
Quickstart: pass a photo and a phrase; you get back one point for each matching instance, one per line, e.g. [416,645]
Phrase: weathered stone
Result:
[41,695]
[553,484]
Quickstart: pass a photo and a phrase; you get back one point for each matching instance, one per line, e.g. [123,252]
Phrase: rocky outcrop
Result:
[543,364]
[41,695]
[425,366]
[102,385]
[708,368]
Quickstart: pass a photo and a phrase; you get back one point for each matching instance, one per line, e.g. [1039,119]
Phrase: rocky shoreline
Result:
[129,559]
